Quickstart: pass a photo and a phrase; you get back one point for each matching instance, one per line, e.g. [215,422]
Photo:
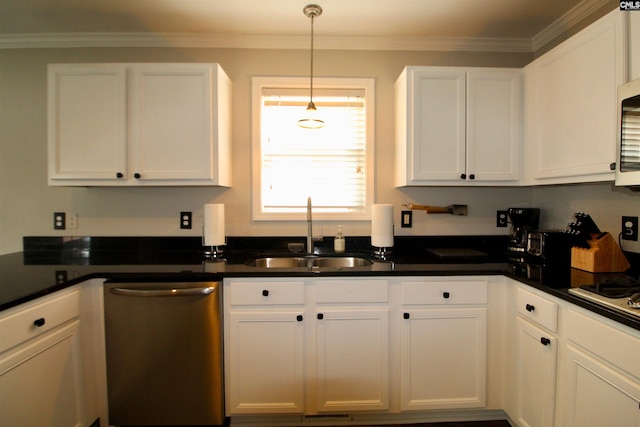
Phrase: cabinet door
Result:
[443,358]
[352,359]
[573,129]
[87,132]
[265,360]
[493,125]
[41,382]
[598,395]
[536,375]
[171,121]
[437,150]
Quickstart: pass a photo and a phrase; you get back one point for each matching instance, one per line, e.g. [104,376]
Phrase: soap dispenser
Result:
[338,243]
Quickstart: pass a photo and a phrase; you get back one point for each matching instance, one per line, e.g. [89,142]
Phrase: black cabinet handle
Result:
[137,175]
[39,322]
[530,307]
[463,176]
[299,317]
[472,176]
[612,166]
[119,175]
[265,293]
[545,341]
[406,315]
[320,316]
[446,295]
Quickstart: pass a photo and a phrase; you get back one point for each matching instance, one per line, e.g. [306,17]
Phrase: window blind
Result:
[327,164]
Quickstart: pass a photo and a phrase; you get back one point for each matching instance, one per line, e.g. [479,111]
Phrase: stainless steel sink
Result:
[310,262]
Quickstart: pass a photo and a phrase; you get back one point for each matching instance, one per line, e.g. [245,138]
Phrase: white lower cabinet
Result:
[598,395]
[536,375]
[443,344]
[603,376]
[351,345]
[536,359]
[324,345]
[41,380]
[266,354]
[264,346]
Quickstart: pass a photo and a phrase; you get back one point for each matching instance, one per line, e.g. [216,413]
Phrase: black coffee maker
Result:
[523,220]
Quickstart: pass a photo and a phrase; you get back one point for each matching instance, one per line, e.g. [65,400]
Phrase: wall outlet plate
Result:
[59,221]
[406,219]
[501,219]
[185,220]
[630,228]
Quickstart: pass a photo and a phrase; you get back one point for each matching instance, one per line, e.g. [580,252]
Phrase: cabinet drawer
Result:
[266,293]
[444,293]
[611,344]
[37,317]
[345,290]
[538,309]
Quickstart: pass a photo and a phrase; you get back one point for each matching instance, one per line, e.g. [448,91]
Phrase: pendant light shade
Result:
[310,120]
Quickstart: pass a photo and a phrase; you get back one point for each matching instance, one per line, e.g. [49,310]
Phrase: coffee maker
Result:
[523,221]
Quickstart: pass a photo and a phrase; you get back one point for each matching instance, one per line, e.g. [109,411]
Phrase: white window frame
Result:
[257,85]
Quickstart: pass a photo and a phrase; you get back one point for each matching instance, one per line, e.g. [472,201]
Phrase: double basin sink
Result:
[310,262]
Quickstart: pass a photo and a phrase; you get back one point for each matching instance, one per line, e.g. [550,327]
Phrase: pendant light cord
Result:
[311,66]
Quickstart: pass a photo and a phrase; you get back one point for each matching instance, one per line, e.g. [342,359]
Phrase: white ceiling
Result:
[516,25]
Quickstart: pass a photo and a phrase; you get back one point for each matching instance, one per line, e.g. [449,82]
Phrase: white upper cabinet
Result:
[570,110]
[457,126]
[139,124]
[634,46]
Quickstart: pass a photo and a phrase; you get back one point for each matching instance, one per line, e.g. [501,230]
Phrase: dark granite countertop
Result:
[50,264]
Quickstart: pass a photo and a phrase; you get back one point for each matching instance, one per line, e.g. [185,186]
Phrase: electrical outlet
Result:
[501,219]
[407,219]
[185,220]
[629,228]
[59,221]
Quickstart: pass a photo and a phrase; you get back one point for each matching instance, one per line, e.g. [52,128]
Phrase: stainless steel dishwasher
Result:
[164,353]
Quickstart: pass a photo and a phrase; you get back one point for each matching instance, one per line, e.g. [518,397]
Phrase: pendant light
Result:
[310,121]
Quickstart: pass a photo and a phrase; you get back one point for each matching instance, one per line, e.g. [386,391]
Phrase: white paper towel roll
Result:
[213,229]
[382,226]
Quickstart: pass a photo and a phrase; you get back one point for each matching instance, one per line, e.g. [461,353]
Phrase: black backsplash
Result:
[160,250]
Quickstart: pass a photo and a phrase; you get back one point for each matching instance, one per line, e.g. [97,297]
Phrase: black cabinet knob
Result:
[299,317]
[119,175]
[320,316]
[545,341]
[612,166]
[530,307]
[39,322]
[406,315]
[137,175]
[265,293]
[463,176]
[472,176]
[446,295]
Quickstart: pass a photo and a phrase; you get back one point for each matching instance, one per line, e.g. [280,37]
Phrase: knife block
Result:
[603,256]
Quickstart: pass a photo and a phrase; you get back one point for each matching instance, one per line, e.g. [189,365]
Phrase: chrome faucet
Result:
[309,227]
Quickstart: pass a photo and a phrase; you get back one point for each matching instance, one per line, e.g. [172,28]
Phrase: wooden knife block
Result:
[603,256]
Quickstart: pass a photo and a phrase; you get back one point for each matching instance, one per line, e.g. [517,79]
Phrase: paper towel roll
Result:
[382,226]
[213,228]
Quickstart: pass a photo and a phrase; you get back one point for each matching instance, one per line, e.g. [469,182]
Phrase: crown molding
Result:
[570,19]
[210,41]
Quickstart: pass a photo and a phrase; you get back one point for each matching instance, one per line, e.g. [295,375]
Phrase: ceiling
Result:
[509,25]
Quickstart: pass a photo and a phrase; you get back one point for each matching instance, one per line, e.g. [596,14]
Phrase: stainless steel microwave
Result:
[628,141]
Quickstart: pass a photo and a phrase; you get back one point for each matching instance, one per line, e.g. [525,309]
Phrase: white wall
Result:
[27,203]
[603,201]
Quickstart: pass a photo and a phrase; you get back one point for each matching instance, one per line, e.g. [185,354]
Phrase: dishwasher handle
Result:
[163,292]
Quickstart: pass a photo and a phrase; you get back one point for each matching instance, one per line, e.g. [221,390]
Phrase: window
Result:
[332,165]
